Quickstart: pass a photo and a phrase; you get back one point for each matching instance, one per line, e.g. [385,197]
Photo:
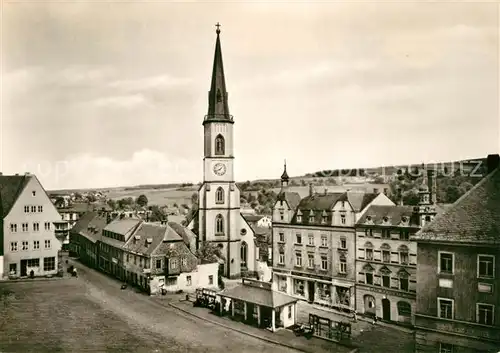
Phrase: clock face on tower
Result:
[219,169]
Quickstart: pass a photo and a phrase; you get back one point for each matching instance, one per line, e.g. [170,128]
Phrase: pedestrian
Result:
[355,316]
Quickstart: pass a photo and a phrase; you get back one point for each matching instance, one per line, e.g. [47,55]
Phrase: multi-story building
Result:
[85,237]
[386,260]
[458,266]
[314,244]
[218,219]
[29,241]
[158,258]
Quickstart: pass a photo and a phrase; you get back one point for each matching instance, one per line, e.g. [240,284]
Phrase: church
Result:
[218,219]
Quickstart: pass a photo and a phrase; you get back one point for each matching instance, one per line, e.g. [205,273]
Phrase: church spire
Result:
[218,108]
[284,177]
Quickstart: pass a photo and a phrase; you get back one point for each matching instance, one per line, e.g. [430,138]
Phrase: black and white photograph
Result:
[249,176]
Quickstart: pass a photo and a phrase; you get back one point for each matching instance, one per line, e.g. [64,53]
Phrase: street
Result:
[92,313]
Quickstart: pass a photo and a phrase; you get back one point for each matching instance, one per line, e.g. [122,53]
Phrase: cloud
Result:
[92,171]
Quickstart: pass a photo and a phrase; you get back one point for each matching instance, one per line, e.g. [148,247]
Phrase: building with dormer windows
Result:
[313,242]
[386,256]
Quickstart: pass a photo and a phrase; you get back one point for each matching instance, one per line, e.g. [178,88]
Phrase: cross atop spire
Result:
[218,108]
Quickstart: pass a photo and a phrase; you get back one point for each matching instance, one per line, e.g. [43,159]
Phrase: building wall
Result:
[287,315]
[18,216]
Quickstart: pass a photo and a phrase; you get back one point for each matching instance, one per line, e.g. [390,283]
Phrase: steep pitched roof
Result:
[320,202]
[473,218]
[359,200]
[90,225]
[290,197]
[146,239]
[11,186]
[394,215]
[184,233]
[250,218]
[123,226]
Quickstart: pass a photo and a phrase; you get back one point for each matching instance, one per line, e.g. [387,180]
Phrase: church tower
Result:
[426,209]
[219,198]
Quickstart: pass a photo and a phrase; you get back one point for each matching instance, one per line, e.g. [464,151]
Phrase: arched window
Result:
[219,145]
[219,195]
[243,251]
[404,309]
[219,224]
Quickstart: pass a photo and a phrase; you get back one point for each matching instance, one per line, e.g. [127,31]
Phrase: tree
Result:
[142,200]
[112,203]
[78,196]
[194,198]
[209,252]
[157,214]
[91,198]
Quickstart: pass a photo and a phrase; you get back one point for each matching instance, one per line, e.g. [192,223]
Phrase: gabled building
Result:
[314,244]
[29,243]
[386,259]
[158,257]
[458,267]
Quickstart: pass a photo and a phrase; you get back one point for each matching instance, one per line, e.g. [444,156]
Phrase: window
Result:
[369,278]
[33,209]
[36,245]
[445,348]
[282,237]
[33,193]
[49,264]
[219,195]
[311,219]
[445,262]
[343,243]
[211,279]
[298,238]
[128,257]
[140,262]
[13,227]
[386,281]
[184,261]
[405,259]
[36,226]
[324,241]
[12,269]
[219,224]
[281,258]
[282,215]
[343,266]
[289,311]
[484,314]
[386,233]
[219,145]
[369,254]
[298,287]
[243,254]
[173,263]
[135,261]
[25,246]
[403,284]
[33,263]
[40,208]
[324,263]
[310,261]
[311,239]
[445,307]
[188,281]
[342,218]
[25,227]
[404,309]
[158,264]
[299,218]
[47,225]
[404,235]
[26,209]
[298,259]
[485,266]
[47,243]
[386,256]
[13,246]
[324,219]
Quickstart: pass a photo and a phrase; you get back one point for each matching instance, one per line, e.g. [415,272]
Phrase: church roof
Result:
[218,108]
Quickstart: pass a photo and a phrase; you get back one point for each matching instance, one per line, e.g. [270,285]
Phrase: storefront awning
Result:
[259,296]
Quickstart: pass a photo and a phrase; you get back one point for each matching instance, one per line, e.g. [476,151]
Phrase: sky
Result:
[102,94]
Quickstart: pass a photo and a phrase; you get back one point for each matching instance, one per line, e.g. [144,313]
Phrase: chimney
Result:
[326,191]
[492,161]
[432,180]
[399,196]
[311,190]
[375,191]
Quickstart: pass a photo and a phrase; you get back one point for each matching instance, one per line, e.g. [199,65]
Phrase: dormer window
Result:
[324,219]
[385,219]
[404,219]
[311,217]
[368,218]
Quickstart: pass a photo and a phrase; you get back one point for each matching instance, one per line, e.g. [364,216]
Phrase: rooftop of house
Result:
[290,197]
[11,186]
[259,293]
[90,225]
[123,226]
[389,215]
[473,218]
[251,218]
